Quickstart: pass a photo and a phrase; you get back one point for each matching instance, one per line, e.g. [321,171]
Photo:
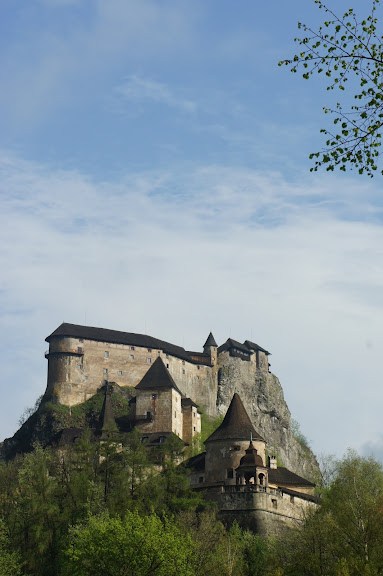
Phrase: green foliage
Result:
[299,436]
[136,546]
[347,50]
[10,562]
[344,536]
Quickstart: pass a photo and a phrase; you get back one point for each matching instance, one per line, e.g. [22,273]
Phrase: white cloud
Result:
[141,90]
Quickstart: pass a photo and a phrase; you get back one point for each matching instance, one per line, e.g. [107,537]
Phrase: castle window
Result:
[79,350]
[81,340]
[132,357]
[144,439]
[148,360]
[197,377]
[230,473]
[78,366]
[292,499]
[200,479]
[198,367]
[105,370]
[154,396]
[132,347]
[167,365]
[106,354]
[85,377]
[175,414]
[183,371]
[162,439]
[148,415]
[194,428]
[149,349]
[120,372]
[274,503]
[183,362]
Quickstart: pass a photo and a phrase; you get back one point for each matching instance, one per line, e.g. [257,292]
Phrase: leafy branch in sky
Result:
[345,49]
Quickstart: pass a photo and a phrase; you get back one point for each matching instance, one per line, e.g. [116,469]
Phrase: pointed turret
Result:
[107,421]
[157,377]
[210,342]
[210,347]
[236,425]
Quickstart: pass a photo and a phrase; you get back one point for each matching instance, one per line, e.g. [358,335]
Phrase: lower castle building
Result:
[247,486]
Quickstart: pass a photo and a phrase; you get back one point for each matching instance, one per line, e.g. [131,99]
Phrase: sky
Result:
[155,178]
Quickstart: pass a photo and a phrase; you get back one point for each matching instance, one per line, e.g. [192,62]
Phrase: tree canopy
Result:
[348,51]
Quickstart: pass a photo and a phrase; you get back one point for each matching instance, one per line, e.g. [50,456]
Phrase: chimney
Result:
[273,462]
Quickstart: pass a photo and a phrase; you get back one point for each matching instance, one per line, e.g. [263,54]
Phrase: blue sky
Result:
[154,177]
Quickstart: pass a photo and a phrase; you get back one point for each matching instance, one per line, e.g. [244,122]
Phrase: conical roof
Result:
[107,421]
[236,425]
[157,377]
[210,341]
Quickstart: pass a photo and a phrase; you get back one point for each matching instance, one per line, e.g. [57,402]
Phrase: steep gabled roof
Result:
[157,377]
[236,425]
[283,476]
[253,346]
[230,343]
[210,341]
[107,421]
[116,337]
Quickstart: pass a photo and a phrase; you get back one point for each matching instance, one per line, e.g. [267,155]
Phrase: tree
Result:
[344,537]
[136,546]
[346,49]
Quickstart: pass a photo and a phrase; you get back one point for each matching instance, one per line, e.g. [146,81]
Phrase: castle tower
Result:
[210,347]
[107,421]
[158,401]
[226,446]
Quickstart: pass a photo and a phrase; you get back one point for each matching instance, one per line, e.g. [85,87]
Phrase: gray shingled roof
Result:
[116,337]
[236,425]
[210,341]
[157,377]
[253,346]
[284,476]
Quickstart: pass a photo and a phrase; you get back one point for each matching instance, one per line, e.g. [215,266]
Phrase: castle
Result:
[81,358]
[170,385]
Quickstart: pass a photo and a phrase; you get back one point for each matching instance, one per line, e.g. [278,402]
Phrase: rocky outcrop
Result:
[262,396]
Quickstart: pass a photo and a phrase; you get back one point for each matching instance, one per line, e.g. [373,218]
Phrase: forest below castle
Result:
[116,508]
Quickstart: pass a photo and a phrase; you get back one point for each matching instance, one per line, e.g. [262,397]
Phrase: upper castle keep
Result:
[81,358]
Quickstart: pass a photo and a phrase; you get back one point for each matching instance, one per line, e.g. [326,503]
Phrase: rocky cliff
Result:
[262,396]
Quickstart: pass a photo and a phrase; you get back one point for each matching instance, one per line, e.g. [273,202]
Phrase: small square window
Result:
[183,371]
[274,503]
[200,479]
[120,372]
[148,360]
[198,367]
[132,347]
[230,473]
[79,350]
[159,352]
[106,354]
[197,377]
[78,366]
[132,357]
[85,377]
[105,370]
[149,349]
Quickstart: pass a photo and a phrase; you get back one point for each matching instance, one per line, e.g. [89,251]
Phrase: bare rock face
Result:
[262,396]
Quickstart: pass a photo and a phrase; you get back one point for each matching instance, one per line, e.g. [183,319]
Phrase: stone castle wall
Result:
[78,367]
[267,514]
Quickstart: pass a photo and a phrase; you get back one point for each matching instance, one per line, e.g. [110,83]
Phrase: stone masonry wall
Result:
[73,379]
